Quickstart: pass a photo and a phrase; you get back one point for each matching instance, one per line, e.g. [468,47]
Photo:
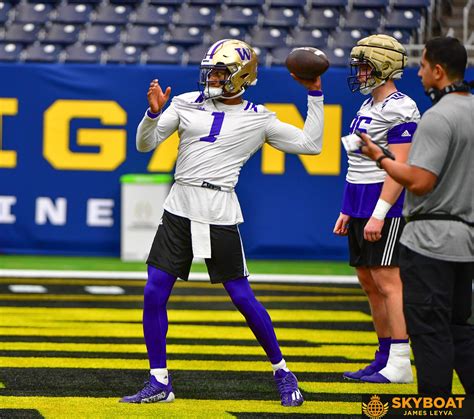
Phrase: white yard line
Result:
[273,278]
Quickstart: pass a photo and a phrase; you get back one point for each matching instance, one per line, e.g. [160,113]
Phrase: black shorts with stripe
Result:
[172,251]
[384,252]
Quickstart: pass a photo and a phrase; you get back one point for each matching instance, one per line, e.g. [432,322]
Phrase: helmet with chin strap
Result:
[385,57]
[240,61]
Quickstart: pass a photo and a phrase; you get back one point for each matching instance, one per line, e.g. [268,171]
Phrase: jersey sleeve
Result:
[151,132]
[431,144]
[403,116]
[290,139]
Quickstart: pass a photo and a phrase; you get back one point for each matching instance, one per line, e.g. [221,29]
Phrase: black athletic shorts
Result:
[172,251]
[384,252]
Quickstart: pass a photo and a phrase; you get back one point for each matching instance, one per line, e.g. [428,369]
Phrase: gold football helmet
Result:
[374,60]
[240,61]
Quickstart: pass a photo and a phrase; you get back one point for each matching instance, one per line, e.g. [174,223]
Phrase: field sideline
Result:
[70,348]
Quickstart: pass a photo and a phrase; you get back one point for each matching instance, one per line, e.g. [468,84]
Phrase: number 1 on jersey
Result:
[215,128]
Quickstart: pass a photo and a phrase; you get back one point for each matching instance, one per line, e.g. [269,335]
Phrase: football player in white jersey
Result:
[219,131]
[371,213]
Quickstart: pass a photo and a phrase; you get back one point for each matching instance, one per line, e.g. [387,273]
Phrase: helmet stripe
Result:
[216,45]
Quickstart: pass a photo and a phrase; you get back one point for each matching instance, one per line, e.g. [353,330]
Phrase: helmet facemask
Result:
[363,76]
[213,83]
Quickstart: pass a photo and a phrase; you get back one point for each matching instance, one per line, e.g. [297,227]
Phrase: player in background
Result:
[219,131]
[371,213]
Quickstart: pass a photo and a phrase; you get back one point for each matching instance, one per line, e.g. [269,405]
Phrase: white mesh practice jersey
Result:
[392,121]
[215,141]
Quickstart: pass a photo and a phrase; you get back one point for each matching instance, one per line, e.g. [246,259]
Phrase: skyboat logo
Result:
[375,408]
[406,405]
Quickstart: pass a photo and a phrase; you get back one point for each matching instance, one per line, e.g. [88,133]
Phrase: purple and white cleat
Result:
[288,387]
[153,392]
[375,366]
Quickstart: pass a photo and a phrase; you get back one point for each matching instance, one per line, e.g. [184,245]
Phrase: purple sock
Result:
[155,318]
[381,356]
[257,317]
[384,345]
[399,341]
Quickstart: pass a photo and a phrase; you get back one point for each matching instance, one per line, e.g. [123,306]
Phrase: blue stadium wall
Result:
[68,134]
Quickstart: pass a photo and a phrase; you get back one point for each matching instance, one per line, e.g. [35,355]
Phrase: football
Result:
[307,63]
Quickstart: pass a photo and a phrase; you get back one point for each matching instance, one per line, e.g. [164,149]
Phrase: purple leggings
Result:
[155,318]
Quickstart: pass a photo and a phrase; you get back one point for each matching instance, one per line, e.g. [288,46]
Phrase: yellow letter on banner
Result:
[111,142]
[328,162]
[8,106]
[165,155]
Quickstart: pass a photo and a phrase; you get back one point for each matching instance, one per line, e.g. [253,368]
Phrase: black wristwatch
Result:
[378,162]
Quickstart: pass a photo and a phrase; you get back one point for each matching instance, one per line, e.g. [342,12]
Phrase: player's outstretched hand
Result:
[156,98]
[342,225]
[309,84]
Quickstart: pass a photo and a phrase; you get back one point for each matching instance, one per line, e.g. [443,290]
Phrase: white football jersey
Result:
[389,122]
[215,141]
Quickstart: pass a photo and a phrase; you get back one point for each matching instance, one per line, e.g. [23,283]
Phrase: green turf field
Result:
[67,353]
[114,264]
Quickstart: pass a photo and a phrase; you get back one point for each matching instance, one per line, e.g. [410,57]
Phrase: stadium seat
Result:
[293,4]
[196,15]
[245,3]
[170,3]
[269,37]
[187,35]
[279,55]
[374,4]
[59,33]
[154,15]
[165,54]
[4,11]
[102,34]
[239,16]
[411,4]
[10,51]
[346,39]
[338,56]
[73,13]
[140,35]
[215,3]
[226,32]
[281,17]
[123,54]
[113,14]
[132,3]
[262,54]
[196,54]
[403,37]
[23,33]
[310,37]
[90,2]
[329,3]
[403,19]
[32,13]
[47,53]
[80,53]
[368,19]
[325,18]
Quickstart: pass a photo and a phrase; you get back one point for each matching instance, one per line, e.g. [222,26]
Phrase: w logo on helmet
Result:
[244,53]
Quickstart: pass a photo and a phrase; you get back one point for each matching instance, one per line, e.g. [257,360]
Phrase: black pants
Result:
[437,303]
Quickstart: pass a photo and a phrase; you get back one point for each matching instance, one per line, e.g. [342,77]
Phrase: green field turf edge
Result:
[115,264]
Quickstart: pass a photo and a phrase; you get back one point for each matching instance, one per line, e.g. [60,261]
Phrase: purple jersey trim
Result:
[402,133]
[359,200]
[315,93]
[152,115]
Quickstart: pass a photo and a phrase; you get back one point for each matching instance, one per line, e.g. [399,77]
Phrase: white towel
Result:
[201,239]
